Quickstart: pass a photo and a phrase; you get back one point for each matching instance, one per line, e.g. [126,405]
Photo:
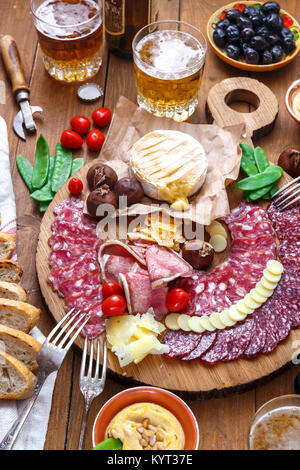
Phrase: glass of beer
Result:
[276,425]
[169,59]
[70,33]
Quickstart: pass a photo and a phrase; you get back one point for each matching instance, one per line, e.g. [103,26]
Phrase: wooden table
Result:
[223,422]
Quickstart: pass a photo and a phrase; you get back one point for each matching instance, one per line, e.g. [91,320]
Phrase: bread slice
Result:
[16,380]
[20,345]
[18,315]
[10,271]
[7,245]
[9,290]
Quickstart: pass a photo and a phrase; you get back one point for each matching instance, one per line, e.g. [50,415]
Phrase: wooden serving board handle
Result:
[258,123]
[13,64]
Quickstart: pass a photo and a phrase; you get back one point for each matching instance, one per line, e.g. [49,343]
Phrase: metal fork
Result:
[91,386]
[287,195]
[50,358]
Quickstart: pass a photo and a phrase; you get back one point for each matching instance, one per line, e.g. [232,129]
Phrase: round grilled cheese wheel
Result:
[214,319]
[171,321]
[194,324]
[267,284]
[182,321]
[274,267]
[225,319]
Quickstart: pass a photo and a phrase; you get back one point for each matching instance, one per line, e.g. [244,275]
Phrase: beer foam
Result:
[286,437]
[170,54]
[58,18]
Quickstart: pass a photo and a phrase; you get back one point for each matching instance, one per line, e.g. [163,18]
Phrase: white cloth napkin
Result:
[33,434]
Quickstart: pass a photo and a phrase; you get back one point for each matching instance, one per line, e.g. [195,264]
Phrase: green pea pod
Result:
[26,170]
[261,159]
[41,166]
[44,205]
[109,444]
[273,190]
[259,193]
[267,177]
[62,167]
[76,165]
[248,152]
[45,194]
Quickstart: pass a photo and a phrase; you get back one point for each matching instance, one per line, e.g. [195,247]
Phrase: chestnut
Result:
[131,188]
[99,196]
[100,174]
[198,253]
[289,160]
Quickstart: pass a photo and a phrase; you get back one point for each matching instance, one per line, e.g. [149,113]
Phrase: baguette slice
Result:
[20,345]
[7,245]
[9,290]
[16,380]
[18,315]
[10,271]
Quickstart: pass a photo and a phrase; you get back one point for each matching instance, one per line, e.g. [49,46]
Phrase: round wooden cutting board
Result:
[191,379]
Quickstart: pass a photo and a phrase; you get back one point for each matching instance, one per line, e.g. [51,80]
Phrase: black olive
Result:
[286,33]
[251,56]
[233,34]
[247,34]
[266,57]
[243,22]
[233,15]
[277,53]
[258,43]
[257,20]
[223,24]
[297,384]
[288,45]
[274,39]
[245,46]
[270,7]
[262,31]
[233,51]
[219,37]
[274,22]
[251,11]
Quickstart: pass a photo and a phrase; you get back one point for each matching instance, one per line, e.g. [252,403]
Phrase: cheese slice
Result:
[170,165]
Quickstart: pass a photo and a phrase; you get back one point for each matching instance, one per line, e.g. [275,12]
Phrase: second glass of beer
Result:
[169,59]
[70,35]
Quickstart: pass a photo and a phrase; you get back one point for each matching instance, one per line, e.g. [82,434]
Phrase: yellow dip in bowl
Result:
[147,426]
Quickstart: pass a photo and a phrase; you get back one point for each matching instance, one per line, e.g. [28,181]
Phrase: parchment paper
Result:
[130,122]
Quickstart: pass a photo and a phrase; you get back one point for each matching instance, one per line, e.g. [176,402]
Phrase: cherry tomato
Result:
[287,21]
[177,299]
[95,140]
[71,140]
[113,306]
[101,117]
[80,124]
[111,288]
[75,186]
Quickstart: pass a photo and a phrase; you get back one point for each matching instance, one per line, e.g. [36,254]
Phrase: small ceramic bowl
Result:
[162,397]
[239,63]
[294,88]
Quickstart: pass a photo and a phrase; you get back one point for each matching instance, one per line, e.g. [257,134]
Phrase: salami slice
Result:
[59,242]
[239,340]
[79,284]
[96,324]
[67,229]
[206,342]
[181,343]
[219,350]
[78,269]
[83,300]
[62,258]
[258,336]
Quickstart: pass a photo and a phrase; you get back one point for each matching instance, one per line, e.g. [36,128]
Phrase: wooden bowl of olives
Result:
[254,36]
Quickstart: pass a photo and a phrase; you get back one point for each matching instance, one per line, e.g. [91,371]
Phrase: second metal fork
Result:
[91,385]
[287,195]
